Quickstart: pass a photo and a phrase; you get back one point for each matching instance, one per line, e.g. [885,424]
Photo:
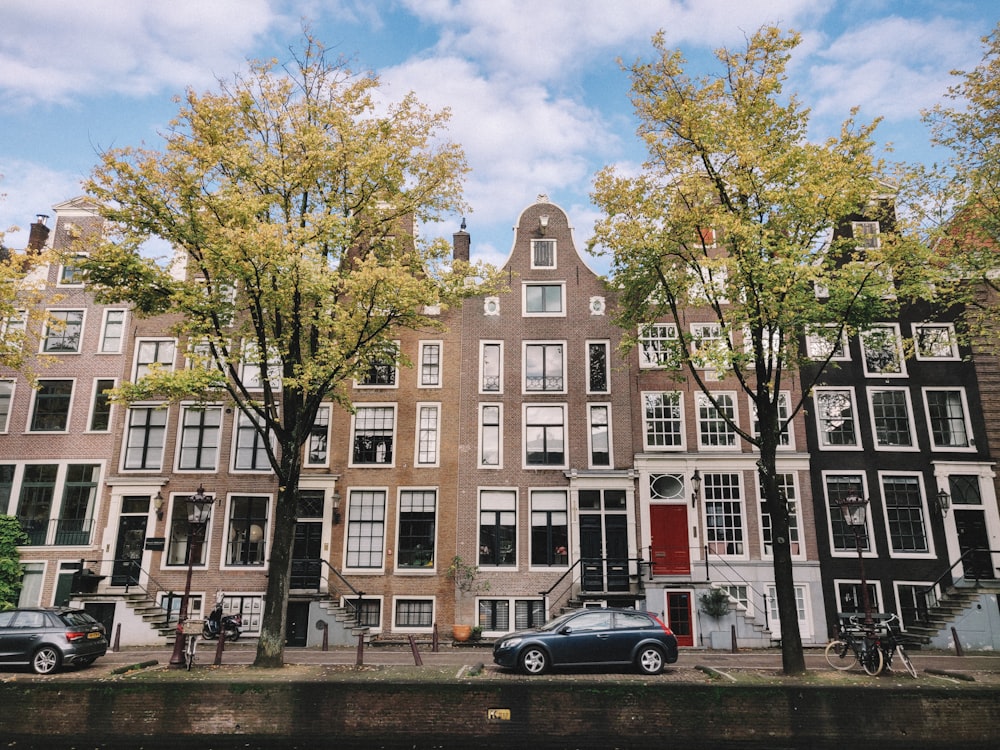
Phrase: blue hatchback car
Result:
[590,637]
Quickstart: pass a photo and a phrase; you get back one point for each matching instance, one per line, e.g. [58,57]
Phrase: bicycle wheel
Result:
[906,660]
[840,655]
[872,659]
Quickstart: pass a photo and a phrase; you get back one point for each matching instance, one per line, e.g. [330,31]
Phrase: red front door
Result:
[678,614]
[669,540]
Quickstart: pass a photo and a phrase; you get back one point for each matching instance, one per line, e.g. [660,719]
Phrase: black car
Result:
[48,638]
[590,637]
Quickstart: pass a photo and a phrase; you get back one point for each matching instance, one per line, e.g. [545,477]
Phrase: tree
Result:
[11,573]
[732,218]
[291,195]
[19,297]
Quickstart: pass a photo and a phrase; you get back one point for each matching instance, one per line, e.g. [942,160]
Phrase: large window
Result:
[374,428]
[68,522]
[495,614]
[835,420]
[199,439]
[112,332]
[544,436]
[658,346]
[491,367]
[904,511]
[543,299]
[417,518]
[838,487]
[498,528]
[598,363]
[365,529]
[935,341]
[381,371]
[947,418]
[154,353]
[882,348]
[51,408]
[708,347]
[827,342]
[34,507]
[146,431]
[786,485]
[724,527]
[100,406]
[63,332]
[247,532]
[599,420]
[318,443]
[186,538]
[890,409]
[250,450]
[428,417]
[544,366]
[715,428]
[549,528]
[785,436]
[663,420]
[414,613]
[430,364]
[490,435]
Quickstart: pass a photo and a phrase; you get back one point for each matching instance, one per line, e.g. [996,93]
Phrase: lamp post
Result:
[853,507]
[199,510]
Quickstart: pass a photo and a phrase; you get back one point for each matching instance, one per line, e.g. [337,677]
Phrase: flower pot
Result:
[461,632]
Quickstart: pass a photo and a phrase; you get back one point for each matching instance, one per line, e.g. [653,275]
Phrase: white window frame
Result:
[702,400]
[182,432]
[799,554]
[78,258]
[875,584]
[93,403]
[820,432]
[525,345]
[830,509]
[914,439]
[481,442]
[47,331]
[970,441]
[802,607]
[250,371]
[897,340]
[715,343]
[354,496]
[418,441]
[11,384]
[139,369]
[786,440]
[591,407]
[267,531]
[101,348]
[744,526]
[651,357]
[414,569]
[680,421]
[69,408]
[395,434]
[482,373]
[925,512]
[560,313]
[362,386]
[606,344]
[239,425]
[861,231]
[424,345]
[555,257]
[306,460]
[397,628]
[562,407]
[949,329]
[503,500]
[816,345]
[151,407]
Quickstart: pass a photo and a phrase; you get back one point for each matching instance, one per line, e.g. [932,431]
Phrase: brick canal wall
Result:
[541,714]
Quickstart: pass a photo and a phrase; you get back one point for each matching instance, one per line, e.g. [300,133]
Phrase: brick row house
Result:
[521,445]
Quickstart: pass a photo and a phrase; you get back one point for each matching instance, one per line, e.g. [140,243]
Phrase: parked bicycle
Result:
[873,646]
[890,642]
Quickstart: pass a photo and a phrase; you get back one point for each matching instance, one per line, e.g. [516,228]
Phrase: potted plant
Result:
[466,581]
[715,603]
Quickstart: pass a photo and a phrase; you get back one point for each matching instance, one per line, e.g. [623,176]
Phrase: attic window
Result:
[543,253]
[866,233]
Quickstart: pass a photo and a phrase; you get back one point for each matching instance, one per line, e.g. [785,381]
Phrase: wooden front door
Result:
[669,540]
[678,616]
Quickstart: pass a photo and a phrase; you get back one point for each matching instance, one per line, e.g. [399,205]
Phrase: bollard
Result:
[958,643]
[734,648]
[118,638]
[360,660]
[434,639]
[416,652]
[326,637]
[220,646]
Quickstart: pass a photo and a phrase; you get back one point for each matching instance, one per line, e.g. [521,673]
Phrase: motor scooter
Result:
[230,624]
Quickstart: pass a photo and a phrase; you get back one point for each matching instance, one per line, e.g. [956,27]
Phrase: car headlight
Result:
[510,643]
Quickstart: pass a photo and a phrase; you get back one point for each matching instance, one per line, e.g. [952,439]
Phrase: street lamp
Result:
[199,510]
[853,507]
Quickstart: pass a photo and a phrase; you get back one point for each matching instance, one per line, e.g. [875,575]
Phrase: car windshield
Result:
[558,622]
[77,617]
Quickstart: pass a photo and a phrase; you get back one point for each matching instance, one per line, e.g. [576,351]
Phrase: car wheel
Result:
[650,660]
[534,660]
[46,660]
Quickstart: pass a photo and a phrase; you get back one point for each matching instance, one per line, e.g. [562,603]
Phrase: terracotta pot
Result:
[461,632]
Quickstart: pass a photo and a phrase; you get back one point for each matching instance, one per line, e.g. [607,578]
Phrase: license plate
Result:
[94,636]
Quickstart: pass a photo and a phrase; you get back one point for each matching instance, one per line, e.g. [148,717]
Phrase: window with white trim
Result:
[892,423]
[948,418]
[101,406]
[544,299]
[851,599]
[430,364]
[543,253]
[663,420]
[708,347]
[249,446]
[63,332]
[785,436]
[715,420]
[6,398]
[599,421]
[866,234]
[180,536]
[246,541]
[598,367]
[905,514]
[882,351]
[13,329]
[495,614]
[417,523]
[659,346]
[199,439]
[498,528]
[544,436]
[428,419]
[723,503]
[490,436]
[57,502]
[544,367]
[838,487]
[144,438]
[318,443]
[382,370]
[789,491]
[373,430]
[549,528]
[935,341]
[491,367]
[153,353]
[824,342]
[51,407]
[365,529]
[251,368]
[836,423]
[71,271]
[414,614]
[112,331]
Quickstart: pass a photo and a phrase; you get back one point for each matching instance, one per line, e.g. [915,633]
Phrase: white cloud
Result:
[28,189]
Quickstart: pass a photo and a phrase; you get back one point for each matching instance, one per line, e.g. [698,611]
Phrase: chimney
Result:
[39,234]
[461,241]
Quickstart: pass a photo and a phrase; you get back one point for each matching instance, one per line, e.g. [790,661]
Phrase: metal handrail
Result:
[359,595]
[960,561]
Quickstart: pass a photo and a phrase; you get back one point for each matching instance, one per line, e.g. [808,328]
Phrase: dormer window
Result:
[543,253]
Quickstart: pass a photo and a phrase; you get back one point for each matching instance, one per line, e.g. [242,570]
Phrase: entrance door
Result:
[678,616]
[972,535]
[604,552]
[306,555]
[296,633]
[669,540]
[128,552]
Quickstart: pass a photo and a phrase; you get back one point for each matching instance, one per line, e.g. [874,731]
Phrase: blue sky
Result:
[538,100]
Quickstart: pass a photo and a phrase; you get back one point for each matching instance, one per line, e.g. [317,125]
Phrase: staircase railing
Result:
[736,579]
[355,604]
[948,579]
[567,582]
